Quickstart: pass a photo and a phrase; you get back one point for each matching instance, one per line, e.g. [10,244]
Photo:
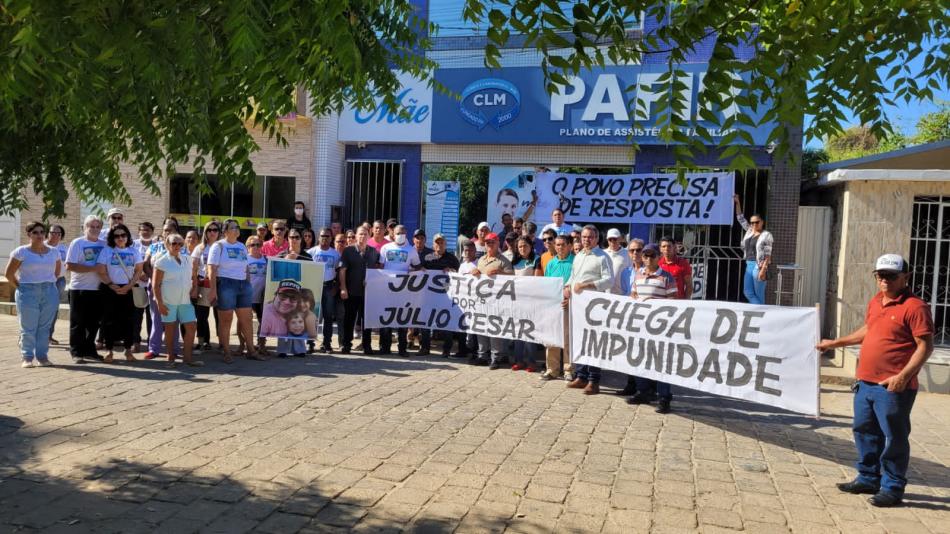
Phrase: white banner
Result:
[763,354]
[638,198]
[382,124]
[525,308]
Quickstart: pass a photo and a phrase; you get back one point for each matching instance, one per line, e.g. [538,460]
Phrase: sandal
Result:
[226,358]
[129,357]
[107,358]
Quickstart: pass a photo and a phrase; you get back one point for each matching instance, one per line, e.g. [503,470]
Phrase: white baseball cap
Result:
[891,262]
[483,224]
[613,233]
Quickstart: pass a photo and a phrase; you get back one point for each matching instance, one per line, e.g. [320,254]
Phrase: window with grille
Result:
[930,260]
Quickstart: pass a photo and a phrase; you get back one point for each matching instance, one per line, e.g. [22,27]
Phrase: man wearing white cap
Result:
[896,340]
[618,257]
[114,217]
[483,230]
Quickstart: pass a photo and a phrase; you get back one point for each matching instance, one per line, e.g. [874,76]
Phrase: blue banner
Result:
[511,106]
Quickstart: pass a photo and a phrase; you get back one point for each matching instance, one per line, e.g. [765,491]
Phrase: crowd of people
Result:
[175,284]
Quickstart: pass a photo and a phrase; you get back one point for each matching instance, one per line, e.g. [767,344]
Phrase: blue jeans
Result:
[587,373]
[36,306]
[752,287]
[60,290]
[523,353]
[882,435]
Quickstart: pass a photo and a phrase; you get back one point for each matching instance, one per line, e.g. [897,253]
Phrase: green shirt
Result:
[559,267]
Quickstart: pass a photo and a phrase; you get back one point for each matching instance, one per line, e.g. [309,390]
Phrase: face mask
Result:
[400,239]
[298,211]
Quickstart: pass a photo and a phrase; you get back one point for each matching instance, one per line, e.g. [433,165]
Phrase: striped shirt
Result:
[657,285]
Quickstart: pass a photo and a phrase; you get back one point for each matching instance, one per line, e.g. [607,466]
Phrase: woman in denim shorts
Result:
[231,290]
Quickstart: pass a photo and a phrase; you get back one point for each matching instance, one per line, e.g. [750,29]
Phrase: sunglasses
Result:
[120,235]
[177,243]
[252,245]
[327,236]
[214,229]
[548,239]
[293,237]
[635,250]
[116,217]
[890,277]
[280,228]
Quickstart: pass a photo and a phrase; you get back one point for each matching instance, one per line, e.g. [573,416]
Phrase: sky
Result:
[903,116]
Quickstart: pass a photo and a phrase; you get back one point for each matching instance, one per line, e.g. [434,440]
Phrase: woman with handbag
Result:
[203,308]
[231,290]
[757,246]
[175,283]
[33,270]
[119,268]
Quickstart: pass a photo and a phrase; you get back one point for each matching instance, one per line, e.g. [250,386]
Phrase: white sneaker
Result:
[44,363]
[27,364]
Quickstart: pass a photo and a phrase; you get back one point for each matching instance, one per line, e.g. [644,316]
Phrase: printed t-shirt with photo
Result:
[84,252]
[399,258]
[118,272]
[231,259]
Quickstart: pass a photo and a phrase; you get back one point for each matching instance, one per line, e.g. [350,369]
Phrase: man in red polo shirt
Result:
[896,340]
[678,267]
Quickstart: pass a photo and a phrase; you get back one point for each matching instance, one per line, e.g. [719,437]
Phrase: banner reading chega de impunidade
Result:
[524,308]
[706,198]
[763,354]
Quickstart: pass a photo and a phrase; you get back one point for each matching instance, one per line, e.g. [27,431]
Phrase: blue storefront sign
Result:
[511,106]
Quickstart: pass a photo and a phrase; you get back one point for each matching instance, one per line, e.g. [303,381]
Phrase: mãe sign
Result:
[764,354]
[382,124]
[705,198]
[523,308]
[511,106]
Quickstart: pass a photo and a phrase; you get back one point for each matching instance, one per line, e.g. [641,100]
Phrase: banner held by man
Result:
[705,198]
[763,354]
[516,308]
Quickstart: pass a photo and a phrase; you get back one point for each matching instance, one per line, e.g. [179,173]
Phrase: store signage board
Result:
[382,124]
[511,106]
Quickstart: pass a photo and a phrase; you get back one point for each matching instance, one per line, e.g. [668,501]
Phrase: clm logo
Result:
[490,101]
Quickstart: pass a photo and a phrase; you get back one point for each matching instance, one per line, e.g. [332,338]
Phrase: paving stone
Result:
[350,443]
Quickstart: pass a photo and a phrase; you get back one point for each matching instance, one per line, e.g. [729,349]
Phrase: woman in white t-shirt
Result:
[119,268]
[33,270]
[231,290]
[55,240]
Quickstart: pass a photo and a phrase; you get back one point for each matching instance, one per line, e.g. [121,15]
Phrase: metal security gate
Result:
[715,251]
[930,260]
[372,190]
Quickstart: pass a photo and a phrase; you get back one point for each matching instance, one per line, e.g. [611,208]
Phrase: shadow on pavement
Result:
[162,491]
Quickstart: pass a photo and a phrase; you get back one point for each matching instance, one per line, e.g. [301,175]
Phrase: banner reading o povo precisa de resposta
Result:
[523,308]
[764,354]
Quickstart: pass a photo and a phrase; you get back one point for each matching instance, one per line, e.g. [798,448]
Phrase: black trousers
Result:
[353,312]
[117,318]
[458,338]
[203,332]
[85,312]
[386,339]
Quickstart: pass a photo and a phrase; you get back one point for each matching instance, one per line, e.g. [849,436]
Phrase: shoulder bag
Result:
[139,296]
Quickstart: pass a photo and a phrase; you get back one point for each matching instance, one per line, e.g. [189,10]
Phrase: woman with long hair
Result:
[231,290]
[210,234]
[309,239]
[757,246]
[525,262]
[119,268]
[33,270]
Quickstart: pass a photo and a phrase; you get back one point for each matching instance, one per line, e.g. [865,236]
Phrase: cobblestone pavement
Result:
[353,443]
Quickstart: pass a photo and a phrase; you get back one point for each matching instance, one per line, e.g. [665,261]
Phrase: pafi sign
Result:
[511,106]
